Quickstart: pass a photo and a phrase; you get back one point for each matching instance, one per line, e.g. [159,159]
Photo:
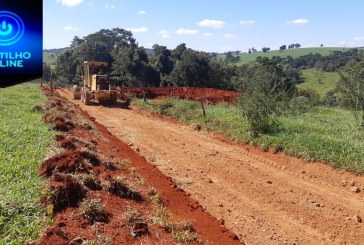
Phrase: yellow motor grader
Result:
[96,85]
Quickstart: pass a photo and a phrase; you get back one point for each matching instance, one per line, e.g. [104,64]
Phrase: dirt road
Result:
[265,198]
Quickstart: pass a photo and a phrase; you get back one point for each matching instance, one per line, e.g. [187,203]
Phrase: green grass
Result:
[294,53]
[322,134]
[321,82]
[24,141]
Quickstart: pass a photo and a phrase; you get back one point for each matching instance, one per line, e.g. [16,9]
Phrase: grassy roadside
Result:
[323,134]
[24,141]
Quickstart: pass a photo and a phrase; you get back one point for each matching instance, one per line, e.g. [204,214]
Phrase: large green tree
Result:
[131,69]
[96,46]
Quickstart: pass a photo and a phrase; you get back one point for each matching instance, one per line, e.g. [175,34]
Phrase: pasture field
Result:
[321,82]
[24,142]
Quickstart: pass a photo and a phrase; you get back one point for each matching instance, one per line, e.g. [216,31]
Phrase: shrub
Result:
[330,99]
[300,104]
[265,92]
[312,96]
[351,87]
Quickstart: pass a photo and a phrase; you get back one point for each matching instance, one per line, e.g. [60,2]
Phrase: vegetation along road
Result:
[265,198]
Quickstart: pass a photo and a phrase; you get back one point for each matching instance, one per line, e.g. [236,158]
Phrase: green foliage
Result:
[330,99]
[351,87]
[300,104]
[325,134]
[130,66]
[198,69]
[265,90]
[47,73]
[50,58]
[25,141]
[96,46]
[312,96]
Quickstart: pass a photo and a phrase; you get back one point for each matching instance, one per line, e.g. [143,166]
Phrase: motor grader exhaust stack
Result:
[96,85]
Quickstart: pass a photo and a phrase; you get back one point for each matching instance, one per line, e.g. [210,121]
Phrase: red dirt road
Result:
[265,198]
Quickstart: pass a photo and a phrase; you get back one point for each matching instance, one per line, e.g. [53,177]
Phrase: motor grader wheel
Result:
[76,92]
[85,96]
[113,98]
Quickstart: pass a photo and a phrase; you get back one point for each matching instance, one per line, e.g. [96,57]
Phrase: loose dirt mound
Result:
[102,192]
[207,94]
[67,192]
[72,161]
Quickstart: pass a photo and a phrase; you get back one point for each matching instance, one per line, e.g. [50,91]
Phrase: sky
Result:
[209,25]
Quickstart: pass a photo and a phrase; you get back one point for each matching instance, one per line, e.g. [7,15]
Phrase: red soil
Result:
[207,94]
[264,197]
[94,152]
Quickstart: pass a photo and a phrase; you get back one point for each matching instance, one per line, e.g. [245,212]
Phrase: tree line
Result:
[131,66]
[267,86]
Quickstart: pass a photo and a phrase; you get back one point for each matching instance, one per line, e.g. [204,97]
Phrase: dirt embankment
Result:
[102,192]
[263,197]
[190,93]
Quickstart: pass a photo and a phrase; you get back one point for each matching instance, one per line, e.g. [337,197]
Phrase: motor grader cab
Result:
[96,85]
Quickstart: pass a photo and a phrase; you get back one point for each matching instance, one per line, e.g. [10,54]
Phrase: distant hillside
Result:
[50,55]
[50,58]
[294,53]
[55,50]
[320,81]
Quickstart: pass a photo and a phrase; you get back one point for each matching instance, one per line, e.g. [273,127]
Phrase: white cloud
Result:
[207,34]
[298,22]
[140,29]
[108,6]
[211,23]
[183,31]
[342,42]
[229,36]
[247,22]
[70,3]
[141,12]
[71,28]
[359,38]
[164,33]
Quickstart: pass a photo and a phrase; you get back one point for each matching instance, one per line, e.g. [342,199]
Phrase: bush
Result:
[265,92]
[300,104]
[351,87]
[312,96]
[330,99]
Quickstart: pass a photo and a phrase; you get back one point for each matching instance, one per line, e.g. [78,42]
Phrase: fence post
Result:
[203,108]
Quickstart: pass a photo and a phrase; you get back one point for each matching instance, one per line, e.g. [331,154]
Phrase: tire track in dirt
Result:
[265,198]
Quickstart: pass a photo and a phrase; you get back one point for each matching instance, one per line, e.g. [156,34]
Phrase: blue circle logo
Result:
[11,28]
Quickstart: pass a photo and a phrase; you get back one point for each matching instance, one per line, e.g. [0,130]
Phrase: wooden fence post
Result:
[203,108]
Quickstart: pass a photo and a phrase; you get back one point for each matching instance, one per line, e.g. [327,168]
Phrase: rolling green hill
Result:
[294,53]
